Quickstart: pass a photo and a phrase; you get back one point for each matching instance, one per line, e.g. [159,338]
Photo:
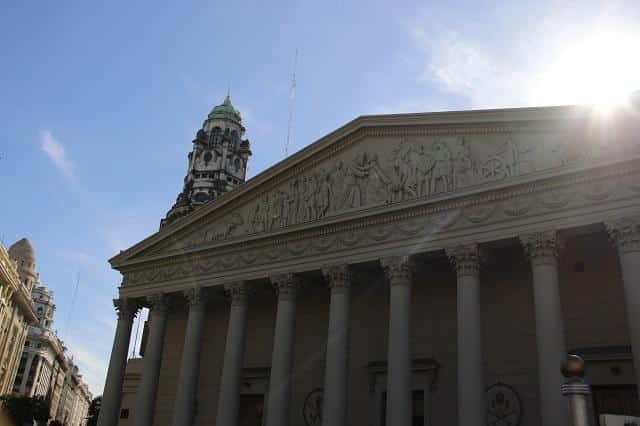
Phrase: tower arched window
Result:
[236,164]
[215,134]
[234,137]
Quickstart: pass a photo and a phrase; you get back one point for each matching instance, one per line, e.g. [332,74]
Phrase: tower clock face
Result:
[207,156]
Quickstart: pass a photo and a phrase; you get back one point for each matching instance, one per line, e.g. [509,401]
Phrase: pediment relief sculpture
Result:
[379,171]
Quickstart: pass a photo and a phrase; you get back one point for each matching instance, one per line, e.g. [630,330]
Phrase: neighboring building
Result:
[17,275]
[411,269]
[45,370]
[75,399]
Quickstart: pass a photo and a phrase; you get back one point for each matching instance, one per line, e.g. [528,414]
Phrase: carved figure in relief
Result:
[310,198]
[505,163]
[356,177]
[232,223]
[260,217]
[323,195]
[441,179]
[337,181]
[290,203]
[377,184]
[405,171]
[465,167]
[275,210]
[511,155]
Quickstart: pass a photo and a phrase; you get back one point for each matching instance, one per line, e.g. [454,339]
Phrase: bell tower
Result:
[217,162]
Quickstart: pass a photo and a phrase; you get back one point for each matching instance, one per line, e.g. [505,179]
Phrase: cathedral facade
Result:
[416,269]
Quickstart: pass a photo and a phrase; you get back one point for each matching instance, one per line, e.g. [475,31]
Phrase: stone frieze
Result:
[412,226]
[379,171]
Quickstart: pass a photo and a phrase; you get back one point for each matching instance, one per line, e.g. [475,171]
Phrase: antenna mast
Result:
[292,96]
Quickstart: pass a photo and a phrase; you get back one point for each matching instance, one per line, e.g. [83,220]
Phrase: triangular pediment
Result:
[375,163]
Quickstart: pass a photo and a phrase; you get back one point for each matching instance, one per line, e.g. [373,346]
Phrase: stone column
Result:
[112,395]
[471,406]
[231,381]
[279,395]
[36,378]
[146,398]
[543,254]
[399,398]
[626,235]
[185,405]
[334,410]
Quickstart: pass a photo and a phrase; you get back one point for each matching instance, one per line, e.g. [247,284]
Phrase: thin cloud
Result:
[561,60]
[57,154]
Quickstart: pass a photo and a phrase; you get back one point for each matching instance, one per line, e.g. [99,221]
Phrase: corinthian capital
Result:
[237,292]
[541,247]
[285,285]
[396,269]
[625,233]
[126,308]
[196,297]
[338,277]
[465,259]
[158,303]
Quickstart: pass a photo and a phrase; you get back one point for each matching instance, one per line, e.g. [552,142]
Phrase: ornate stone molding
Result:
[237,293]
[465,259]
[158,303]
[397,270]
[541,247]
[197,297]
[285,285]
[395,225]
[338,277]
[625,233]
[126,308]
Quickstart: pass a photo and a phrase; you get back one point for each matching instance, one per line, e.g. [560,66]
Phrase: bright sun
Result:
[602,68]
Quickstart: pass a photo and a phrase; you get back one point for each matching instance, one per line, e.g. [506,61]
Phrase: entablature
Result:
[400,183]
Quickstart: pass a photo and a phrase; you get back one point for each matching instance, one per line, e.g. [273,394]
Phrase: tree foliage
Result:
[23,409]
[94,411]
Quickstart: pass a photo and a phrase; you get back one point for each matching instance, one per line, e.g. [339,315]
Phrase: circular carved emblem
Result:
[504,407]
[312,409]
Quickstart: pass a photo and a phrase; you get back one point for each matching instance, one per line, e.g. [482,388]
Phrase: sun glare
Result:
[602,69]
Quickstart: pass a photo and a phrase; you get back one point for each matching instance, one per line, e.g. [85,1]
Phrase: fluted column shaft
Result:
[184,410]
[543,254]
[112,395]
[282,359]
[399,396]
[231,381]
[334,409]
[471,409]
[626,234]
[146,398]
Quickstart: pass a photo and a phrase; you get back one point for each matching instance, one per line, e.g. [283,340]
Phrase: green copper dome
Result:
[225,111]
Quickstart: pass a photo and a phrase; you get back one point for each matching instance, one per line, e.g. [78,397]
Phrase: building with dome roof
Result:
[17,275]
[34,359]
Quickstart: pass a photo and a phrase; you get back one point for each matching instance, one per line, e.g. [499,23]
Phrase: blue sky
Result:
[99,102]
